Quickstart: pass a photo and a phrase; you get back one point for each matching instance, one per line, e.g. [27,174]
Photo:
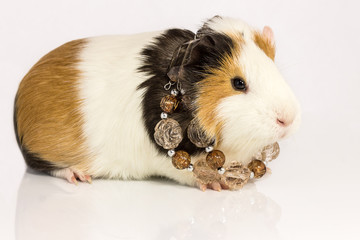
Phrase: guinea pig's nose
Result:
[281,122]
[284,120]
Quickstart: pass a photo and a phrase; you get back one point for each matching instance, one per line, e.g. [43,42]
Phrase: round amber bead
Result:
[215,159]
[168,104]
[181,160]
[258,168]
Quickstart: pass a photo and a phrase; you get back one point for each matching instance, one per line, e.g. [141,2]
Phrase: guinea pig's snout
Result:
[285,119]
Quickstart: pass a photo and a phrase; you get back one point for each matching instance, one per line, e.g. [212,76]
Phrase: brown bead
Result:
[215,159]
[181,160]
[168,104]
[258,168]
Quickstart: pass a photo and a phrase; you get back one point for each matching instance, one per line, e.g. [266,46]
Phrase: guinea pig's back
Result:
[79,105]
[47,117]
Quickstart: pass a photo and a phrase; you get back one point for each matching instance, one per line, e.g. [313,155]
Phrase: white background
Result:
[314,190]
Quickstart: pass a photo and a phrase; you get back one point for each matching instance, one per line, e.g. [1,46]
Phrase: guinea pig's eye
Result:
[238,84]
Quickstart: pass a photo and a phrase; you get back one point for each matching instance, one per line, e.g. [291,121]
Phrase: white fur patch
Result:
[112,110]
[231,26]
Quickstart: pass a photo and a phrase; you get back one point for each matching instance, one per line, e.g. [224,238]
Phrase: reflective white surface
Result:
[314,190]
[140,210]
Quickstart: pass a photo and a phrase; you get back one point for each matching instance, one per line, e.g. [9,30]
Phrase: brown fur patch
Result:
[47,108]
[265,45]
[217,86]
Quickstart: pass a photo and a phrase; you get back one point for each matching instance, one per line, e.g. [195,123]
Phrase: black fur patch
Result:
[191,64]
[31,159]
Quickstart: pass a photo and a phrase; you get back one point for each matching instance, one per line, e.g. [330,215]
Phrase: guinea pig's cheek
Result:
[236,116]
[246,117]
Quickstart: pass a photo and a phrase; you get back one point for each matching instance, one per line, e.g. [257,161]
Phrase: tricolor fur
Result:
[91,105]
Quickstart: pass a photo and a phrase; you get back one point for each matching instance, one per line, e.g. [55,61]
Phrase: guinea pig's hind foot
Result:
[217,186]
[71,175]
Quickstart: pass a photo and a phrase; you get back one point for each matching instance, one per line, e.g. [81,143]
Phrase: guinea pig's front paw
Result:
[234,178]
[207,178]
[217,186]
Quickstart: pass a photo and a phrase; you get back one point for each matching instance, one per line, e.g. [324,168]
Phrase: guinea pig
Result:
[89,108]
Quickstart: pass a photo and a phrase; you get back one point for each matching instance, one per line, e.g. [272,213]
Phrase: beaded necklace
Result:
[168,134]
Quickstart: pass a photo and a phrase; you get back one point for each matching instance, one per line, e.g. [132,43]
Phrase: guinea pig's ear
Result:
[192,53]
[268,34]
[200,49]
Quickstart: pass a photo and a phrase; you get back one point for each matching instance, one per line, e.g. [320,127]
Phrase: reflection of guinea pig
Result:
[117,210]
[89,108]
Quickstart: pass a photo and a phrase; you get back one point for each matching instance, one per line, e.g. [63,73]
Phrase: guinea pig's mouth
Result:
[284,134]
[287,131]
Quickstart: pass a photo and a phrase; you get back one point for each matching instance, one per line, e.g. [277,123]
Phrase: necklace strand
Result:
[168,134]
